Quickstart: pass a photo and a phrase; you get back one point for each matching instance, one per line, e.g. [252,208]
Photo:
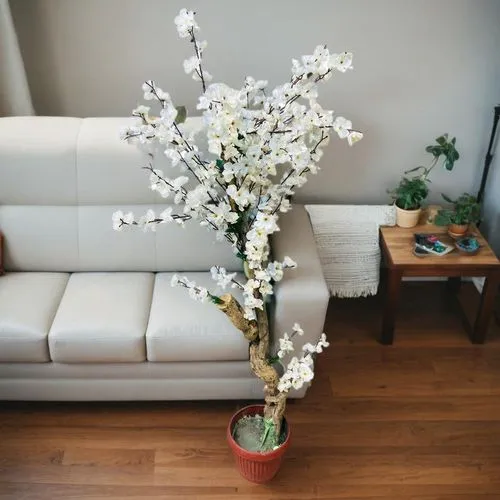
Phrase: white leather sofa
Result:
[87,313]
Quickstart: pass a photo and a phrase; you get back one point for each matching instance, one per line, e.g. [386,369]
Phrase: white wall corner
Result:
[478,283]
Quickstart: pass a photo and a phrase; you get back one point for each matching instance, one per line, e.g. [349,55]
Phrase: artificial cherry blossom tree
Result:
[262,146]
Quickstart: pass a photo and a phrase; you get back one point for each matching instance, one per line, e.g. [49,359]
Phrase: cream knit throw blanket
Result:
[347,237]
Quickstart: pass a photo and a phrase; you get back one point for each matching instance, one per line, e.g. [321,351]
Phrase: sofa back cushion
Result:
[61,179]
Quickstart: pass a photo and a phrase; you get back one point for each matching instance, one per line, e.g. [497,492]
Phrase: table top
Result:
[398,244]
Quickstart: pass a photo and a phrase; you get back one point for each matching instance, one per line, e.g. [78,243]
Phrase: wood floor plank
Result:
[97,457]
[419,420]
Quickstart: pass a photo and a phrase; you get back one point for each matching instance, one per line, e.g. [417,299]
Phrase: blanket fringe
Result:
[344,293]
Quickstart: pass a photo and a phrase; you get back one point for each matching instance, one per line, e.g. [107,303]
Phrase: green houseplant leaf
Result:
[410,193]
[442,139]
[466,210]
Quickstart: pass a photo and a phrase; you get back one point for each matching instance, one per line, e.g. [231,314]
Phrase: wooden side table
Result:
[397,250]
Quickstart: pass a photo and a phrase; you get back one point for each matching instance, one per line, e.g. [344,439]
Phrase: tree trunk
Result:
[259,355]
[257,333]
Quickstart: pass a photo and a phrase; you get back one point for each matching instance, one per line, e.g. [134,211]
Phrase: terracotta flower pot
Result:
[457,230]
[254,466]
[407,218]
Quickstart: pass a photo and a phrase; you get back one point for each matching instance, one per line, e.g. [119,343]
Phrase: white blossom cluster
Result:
[195,292]
[299,371]
[262,144]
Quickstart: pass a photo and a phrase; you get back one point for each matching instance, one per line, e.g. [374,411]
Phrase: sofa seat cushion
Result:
[28,304]
[102,318]
[182,329]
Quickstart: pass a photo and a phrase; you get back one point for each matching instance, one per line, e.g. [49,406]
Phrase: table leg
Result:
[490,289]
[393,286]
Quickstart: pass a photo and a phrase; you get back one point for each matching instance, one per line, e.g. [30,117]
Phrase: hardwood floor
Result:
[418,420]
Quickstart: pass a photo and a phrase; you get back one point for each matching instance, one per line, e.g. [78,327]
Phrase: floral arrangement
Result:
[263,145]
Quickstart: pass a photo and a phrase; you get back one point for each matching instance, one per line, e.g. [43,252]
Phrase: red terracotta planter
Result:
[254,466]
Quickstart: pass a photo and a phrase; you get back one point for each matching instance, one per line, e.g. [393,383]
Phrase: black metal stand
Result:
[489,155]
[486,169]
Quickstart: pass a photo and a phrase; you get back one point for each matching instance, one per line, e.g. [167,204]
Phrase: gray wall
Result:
[421,68]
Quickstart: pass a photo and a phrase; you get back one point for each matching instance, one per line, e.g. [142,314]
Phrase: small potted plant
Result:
[412,192]
[466,210]
[408,197]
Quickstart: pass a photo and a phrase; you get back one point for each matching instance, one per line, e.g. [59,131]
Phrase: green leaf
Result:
[220,164]
[410,193]
[216,300]
[436,150]
[269,438]
[443,218]
[273,359]
[441,140]
[181,114]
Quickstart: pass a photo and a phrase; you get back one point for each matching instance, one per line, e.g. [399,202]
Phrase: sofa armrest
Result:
[302,295]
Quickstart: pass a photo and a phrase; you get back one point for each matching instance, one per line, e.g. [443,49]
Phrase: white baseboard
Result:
[418,278]
[478,281]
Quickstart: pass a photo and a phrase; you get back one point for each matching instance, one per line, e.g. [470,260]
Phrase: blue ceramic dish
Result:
[468,245]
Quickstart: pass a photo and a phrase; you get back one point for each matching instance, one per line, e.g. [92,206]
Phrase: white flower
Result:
[249,314]
[262,275]
[198,293]
[242,197]
[222,213]
[284,385]
[253,303]
[179,182]
[191,64]
[166,215]
[308,360]
[286,345]
[309,348]
[141,110]
[220,275]
[342,127]
[185,23]
[354,137]
[342,62]
[318,348]
[175,280]
[305,372]
[266,288]
[120,220]
[297,329]
[322,343]
[250,286]
[289,263]
[293,365]
[266,222]
[275,270]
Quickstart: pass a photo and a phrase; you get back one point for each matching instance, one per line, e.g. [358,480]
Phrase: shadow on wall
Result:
[44,75]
